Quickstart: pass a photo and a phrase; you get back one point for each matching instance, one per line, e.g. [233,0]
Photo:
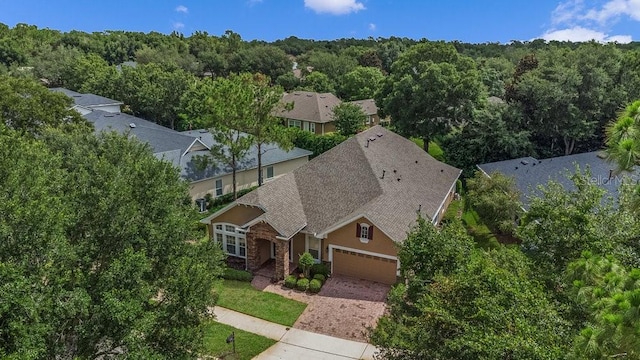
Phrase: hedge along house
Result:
[349,207]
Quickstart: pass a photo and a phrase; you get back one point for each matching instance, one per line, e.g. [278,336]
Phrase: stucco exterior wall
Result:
[244,179]
[297,247]
[238,215]
[346,236]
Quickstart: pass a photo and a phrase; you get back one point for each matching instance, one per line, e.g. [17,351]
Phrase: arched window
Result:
[232,238]
[364,231]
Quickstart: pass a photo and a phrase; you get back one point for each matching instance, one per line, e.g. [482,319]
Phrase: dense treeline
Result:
[522,98]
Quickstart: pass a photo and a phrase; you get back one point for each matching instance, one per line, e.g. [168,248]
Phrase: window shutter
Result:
[370,235]
[358,230]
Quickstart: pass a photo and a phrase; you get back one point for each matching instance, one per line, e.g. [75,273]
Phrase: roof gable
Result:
[310,106]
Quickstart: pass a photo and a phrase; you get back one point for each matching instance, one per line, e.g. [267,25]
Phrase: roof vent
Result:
[524,162]
[379,134]
[372,138]
[108,115]
[132,125]
[77,96]
[516,168]
[202,131]
[383,171]
[416,161]
[309,95]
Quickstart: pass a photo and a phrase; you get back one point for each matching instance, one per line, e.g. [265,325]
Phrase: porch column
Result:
[282,259]
[252,252]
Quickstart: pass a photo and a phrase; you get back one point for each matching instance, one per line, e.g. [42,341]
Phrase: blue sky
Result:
[475,21]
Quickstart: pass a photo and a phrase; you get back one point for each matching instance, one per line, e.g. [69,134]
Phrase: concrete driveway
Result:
[345,307]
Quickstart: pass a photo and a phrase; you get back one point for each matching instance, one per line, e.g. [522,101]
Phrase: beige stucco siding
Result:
[297,247]
[238,215]
[244,179]
[346,237]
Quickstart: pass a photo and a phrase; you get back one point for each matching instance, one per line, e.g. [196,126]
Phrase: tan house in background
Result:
[349,207]
[312,111]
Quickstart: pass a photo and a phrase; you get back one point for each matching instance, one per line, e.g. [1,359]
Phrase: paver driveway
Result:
[345,307]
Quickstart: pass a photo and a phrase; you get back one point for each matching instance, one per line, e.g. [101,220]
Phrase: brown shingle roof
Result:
[368,106]
[310,106]
[346,182]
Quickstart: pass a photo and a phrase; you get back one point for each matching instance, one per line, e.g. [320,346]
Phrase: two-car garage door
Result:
[362,265]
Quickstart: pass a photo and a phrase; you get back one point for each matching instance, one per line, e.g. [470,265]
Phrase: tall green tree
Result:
[98,257]
[29,107]
[496,199]
[348,118]
[457,302]
[430,89]
[360,83]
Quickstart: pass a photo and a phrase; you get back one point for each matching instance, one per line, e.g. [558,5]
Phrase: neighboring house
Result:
[85,103]
[370,109]
[312,111]
[185,149]
[349,207]
[529,173]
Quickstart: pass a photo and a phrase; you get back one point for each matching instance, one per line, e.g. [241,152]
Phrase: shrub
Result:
[227,198]
[315,285]
[239,275]
[319,277]
[290,281]
[306,261]
[320,269]
[302,284]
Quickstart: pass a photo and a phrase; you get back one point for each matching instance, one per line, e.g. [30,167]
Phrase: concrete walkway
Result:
[295,343]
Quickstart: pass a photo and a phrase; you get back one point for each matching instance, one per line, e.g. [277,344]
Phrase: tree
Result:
[623,138]
[562,222]
[318,82]
[360,83]
[306,261]
[29,107]
[430,89]
[97,258]
[496,199]
[348,118]
[458,302]
[262,125]
[610,293]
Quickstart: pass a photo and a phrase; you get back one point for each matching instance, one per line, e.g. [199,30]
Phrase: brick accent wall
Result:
[262,232]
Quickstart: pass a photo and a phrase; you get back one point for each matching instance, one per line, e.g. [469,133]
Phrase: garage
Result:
[362,265]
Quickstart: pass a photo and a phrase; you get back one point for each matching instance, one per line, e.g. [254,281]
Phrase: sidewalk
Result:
[295,343]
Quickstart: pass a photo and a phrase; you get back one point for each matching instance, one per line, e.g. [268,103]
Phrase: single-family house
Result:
[85,103]
[348,207]
[185,149]
[529,173]
[312,111]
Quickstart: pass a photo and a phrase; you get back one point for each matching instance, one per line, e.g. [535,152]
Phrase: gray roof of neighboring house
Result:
[347,182]
[310,106]
[271,154]
[529,173]
[368,106]
[87,100]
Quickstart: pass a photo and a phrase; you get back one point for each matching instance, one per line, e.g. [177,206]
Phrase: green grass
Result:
[248,345]
[434,149]
[480,232]
[453,210]
[242,297]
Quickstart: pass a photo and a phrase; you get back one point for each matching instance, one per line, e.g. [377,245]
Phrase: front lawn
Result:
[244,298]
[248,345]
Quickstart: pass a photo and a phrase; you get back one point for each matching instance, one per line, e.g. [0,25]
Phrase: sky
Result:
[472,21]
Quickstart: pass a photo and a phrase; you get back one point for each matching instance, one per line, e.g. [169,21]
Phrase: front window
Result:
[231,238]
[310,126]
[219,187]
[269,172]
[295,123]
[314,247]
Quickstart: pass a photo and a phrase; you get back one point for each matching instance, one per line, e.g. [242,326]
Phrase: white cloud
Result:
[372,27]
[178,26]
[334,7]
[584,20]
[182,9]
[580,34]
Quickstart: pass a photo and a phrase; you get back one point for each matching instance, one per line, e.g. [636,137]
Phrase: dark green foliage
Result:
[315,285]
[315,143]
[322,269]
[238,275]
[348,118]
[302,284]
[228,198]
[496,199]
[109,263]
[319,277]
[290,281]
